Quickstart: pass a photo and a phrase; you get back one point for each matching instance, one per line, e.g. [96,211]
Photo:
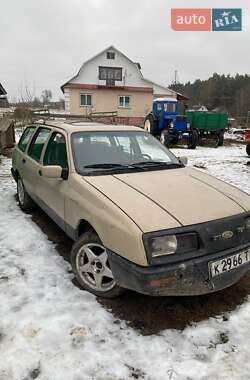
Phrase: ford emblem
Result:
[227,235]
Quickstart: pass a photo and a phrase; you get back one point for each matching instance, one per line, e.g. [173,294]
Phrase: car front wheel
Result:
[89,260]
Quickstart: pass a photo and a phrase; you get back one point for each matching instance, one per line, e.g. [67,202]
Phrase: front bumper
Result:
[186,278]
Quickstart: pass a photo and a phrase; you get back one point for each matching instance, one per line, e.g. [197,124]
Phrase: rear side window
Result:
[25,138]
[56,152]
[37,144]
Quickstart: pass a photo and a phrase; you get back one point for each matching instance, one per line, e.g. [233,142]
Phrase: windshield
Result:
[99,152]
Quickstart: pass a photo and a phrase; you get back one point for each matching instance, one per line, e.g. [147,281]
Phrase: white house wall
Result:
[163,91]
[67,100]
[89,73]
[105,98]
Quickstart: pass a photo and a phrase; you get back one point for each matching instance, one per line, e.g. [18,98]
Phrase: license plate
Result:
[229,263]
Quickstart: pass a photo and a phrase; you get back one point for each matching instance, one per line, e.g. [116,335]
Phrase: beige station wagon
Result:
[140,219]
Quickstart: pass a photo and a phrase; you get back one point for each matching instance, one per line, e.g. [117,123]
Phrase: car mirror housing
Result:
[53,171]
[183,160]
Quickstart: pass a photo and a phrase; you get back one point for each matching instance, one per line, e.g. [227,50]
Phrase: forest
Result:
[220,93]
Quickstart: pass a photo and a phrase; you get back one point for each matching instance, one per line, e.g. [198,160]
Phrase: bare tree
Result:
[36,102]
[23,113]
[26,94]
[46,96]
[61,103]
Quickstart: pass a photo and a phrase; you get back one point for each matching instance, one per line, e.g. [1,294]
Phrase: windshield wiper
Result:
[104,166]
[150,163]
[112,166]
[157,163]
[137,165]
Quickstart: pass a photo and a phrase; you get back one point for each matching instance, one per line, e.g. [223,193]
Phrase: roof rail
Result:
[93,115]
[48,121]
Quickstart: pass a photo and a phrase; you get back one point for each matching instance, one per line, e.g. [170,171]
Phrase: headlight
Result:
[163,245]
[171,244]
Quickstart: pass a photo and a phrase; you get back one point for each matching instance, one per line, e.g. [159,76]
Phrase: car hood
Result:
[164,199]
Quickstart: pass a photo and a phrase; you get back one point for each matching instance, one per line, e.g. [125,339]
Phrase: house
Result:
[199,107]
[3,97]
[112,82]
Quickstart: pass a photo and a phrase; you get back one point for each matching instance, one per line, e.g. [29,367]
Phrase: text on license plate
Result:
[229,263]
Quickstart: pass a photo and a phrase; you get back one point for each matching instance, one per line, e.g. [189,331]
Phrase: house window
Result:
[124,101]
[85,100]
[110,55]
[110,73]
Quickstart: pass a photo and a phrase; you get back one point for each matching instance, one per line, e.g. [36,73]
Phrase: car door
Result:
[19,153]
[31,161]
[52,191]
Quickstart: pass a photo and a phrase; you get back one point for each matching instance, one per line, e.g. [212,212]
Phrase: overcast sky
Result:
[44,42]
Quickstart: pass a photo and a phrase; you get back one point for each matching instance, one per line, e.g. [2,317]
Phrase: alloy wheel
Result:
[93,267]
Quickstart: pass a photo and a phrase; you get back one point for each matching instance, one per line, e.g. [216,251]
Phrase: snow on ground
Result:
[50,330]
[225,163]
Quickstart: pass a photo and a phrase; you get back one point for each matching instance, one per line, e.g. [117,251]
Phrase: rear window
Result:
[25,138]
[36,147]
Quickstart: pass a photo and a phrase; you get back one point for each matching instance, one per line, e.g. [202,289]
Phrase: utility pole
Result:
[176,78]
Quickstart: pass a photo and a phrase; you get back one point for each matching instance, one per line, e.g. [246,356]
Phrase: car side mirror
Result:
[51,171]
[183,160]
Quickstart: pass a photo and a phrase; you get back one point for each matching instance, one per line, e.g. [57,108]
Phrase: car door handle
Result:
[40,173]
[23,160]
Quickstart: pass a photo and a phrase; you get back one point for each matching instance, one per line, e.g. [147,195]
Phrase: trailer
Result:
[209,125]
[192,128]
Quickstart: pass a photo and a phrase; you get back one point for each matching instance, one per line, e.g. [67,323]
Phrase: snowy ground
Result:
[50,330]
[226,163]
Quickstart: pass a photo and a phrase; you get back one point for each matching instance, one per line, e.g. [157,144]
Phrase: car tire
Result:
[90,265]
[193,139]
[248,149]
[24,200]
[150,125]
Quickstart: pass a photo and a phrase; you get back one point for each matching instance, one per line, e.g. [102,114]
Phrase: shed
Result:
[3,97]
[7,134]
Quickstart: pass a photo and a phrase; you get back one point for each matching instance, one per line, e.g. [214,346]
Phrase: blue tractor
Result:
[165,123]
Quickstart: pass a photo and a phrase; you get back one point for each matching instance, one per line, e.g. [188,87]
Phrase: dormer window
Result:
[114,73]
[110,55]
